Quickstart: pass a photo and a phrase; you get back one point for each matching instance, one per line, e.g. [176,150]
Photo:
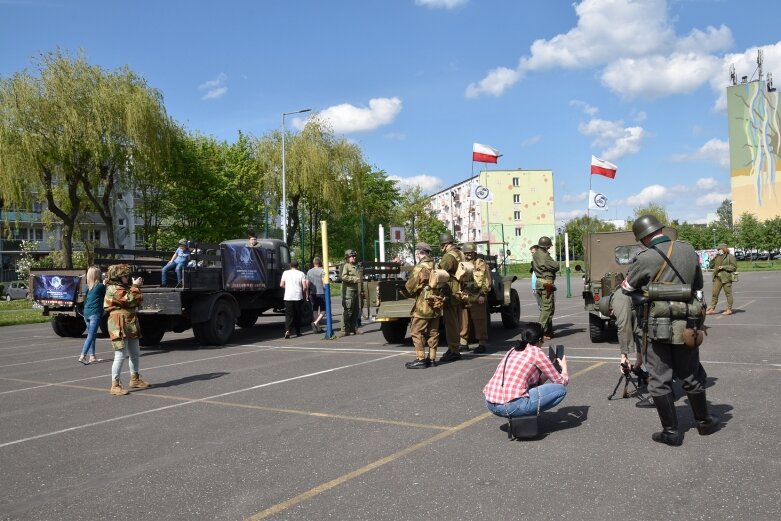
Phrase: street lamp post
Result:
[284,181]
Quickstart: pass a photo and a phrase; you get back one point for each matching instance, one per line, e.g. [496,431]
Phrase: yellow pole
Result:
[329,328]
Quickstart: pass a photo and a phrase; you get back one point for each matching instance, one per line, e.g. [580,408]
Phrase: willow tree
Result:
[72,135]
[319,169]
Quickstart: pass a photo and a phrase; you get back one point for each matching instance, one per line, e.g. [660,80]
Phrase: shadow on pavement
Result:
[188,379]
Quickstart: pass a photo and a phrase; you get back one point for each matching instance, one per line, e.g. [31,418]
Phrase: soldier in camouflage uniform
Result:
[724,265]
[545,268]
[424,325]
[121,301]
[455,313]
[351,280]
[478,291]
[669,358]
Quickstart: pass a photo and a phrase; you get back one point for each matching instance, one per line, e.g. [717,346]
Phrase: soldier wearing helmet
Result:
[455,312]
[478,291]
[424,324]
[545,269]
[351,280]
[673,262]
[724,265]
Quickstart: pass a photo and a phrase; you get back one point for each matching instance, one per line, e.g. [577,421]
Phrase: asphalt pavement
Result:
[311,429]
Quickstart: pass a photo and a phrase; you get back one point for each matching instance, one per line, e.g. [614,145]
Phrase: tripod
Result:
[626,378]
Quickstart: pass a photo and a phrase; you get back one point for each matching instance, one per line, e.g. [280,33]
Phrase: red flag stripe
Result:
[603,171]
[484,158]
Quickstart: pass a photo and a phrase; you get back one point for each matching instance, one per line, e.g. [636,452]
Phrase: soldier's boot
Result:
[137,383]
[479,349]
[665,406]
[706,424]
[116,388]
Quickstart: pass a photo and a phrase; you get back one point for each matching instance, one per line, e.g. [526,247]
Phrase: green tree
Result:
[419,220]
[72,135]
[725,213]
[654,209]
[581,226]
[748,232]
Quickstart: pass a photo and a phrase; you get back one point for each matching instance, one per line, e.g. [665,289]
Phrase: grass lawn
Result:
[19,312]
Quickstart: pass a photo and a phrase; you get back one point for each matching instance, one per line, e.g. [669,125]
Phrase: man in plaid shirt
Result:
[525,381]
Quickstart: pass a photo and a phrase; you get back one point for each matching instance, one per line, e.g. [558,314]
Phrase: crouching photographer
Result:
[526,382]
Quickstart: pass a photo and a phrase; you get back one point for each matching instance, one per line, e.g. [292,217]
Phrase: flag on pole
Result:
[484,153]
[482,194]
[597,201]
[602,167]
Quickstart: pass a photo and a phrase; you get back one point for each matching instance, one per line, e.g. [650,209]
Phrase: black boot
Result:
[706,424]
[665,406]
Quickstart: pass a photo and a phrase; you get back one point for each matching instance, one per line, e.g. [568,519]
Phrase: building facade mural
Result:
[754,149]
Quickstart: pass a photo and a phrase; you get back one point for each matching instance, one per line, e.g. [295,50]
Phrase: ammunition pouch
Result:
[676,322]
[548,288]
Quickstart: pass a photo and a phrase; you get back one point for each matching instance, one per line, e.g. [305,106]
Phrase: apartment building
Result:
[511,209]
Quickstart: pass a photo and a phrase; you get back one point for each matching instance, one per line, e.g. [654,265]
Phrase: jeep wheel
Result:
[511,314]
[395,331]
[596,329]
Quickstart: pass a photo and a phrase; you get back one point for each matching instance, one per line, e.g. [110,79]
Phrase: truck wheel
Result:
[152,332]
[596,329]
[199,332]
[219,328]
[511,314]
[57,326]
[247,318]
[395,331]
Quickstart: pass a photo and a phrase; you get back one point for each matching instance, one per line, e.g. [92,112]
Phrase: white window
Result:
[517,215]
[518,231]
[517,198]
[516,181]
[38,234]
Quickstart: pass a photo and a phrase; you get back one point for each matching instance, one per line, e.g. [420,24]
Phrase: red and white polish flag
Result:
[484,153]
[602,167]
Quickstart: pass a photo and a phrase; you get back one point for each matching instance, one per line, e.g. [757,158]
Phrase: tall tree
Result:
[748,232]
[580,227]
[725,213]
[654,209]
[73,134]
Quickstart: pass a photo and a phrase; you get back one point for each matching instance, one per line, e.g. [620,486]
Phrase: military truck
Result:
[223,286]
[393,304]
[607,257]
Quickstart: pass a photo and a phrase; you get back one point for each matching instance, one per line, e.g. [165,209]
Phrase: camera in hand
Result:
[556,353]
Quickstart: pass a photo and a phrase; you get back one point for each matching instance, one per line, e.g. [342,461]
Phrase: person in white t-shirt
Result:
[295,284]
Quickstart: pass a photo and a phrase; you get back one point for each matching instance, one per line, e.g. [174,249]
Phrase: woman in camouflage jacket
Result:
[121,301]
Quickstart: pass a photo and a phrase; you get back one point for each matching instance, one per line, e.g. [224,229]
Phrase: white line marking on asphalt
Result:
[189,402]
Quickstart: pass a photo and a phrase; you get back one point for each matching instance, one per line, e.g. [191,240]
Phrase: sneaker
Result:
[449,356]
[418,364]
[287,334]
[479,349]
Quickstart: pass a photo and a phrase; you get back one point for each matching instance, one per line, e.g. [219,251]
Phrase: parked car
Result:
[16,290]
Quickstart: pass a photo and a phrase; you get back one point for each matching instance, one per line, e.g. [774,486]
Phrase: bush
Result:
[2,289]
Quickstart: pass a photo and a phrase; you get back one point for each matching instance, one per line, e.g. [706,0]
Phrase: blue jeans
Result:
[168,267]
[540,398]
[132,351]
[93,322]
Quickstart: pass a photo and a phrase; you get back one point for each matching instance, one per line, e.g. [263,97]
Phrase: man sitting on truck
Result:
[178,261]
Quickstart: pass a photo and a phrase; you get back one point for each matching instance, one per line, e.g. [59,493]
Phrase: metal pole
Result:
[284,180]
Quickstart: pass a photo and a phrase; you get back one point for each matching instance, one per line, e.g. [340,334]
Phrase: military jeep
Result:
[394,304]
[607,256]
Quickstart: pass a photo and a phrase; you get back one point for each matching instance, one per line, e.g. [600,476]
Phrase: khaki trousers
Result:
[717,287]
[425,332]
[452,317]
[479,315]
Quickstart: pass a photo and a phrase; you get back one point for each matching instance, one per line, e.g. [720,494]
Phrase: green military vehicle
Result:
[608,256]
[385,291]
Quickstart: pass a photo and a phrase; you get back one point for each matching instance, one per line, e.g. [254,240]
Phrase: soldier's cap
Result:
[722,246]
[422,246]
[183,241]
[350,253]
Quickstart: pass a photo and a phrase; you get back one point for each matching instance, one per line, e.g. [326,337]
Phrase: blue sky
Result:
[416,82]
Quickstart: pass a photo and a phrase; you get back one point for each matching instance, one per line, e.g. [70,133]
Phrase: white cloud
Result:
[635,42]
[745,65]
[577,198]
[396,136]
[715,150]
[706,183]
[613,137]
[661,75]
[530,141]
[647,195]
[585,107]
[215,88]
[563,217]
[346,118]
[428,183]
[495,83]
[712,198]
[447,4]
